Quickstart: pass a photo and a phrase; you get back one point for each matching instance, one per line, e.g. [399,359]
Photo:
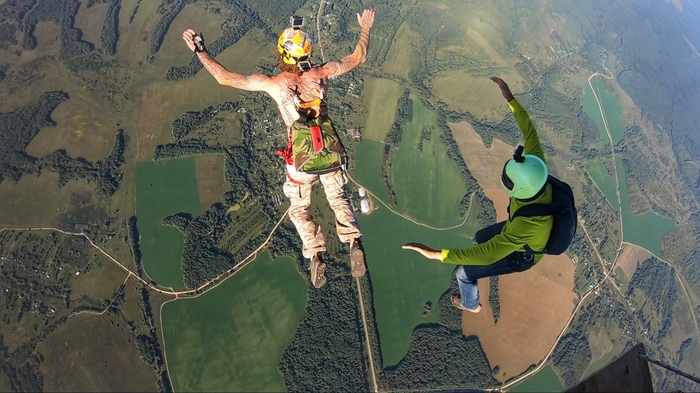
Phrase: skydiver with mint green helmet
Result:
[505,247]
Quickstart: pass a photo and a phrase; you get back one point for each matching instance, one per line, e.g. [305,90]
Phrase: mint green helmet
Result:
[524,175]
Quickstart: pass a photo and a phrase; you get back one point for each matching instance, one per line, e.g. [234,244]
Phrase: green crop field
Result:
[611,108]
[604,180]
[367,167]
[404,281]
[381,98]
[644,230]
[164,188]
[428,185]
[546,380]
[235,334]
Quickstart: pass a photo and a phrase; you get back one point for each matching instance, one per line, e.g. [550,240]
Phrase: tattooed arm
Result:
[255,82]
[357,57]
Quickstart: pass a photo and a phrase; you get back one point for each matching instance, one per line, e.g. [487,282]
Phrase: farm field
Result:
[243,325]
[164,188]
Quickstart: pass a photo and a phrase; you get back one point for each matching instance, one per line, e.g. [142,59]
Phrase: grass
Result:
[89,21]
[250,216]
[403,59]
[428,185]
[546,380]
[624,281]
[612,109]
[36,201]
[231,338]
[81,129]
[381,98]
[604,180]
[368,167]
[83,353]
[403,281]
[210,179]
[100,281]
[164,188]
[646,229]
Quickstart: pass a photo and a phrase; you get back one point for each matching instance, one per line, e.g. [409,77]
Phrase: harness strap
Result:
[287,153]
[293,180]
[310,104]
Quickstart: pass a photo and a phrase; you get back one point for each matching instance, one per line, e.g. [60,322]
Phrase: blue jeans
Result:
[467,275]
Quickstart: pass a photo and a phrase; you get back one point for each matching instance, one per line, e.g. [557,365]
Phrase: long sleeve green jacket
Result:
[533,231]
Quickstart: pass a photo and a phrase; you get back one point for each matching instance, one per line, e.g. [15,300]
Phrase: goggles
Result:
[507,183]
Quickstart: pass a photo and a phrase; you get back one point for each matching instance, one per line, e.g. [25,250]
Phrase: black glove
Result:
[199,43]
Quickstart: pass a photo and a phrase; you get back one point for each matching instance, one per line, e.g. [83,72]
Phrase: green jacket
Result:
[533,231]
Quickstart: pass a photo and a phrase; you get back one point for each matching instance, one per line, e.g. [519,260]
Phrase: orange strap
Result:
[310,104]
[293,180]
[287,153]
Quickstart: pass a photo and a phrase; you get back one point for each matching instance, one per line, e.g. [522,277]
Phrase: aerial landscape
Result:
[144,230]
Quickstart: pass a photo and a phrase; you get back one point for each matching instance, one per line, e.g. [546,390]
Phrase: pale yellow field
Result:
[402,56]
[534,305]
[630,258]
[48,42]
[381,98]
[80,129]
[478,95]
[132,35]
[36,201]
[90,21]
[174,52]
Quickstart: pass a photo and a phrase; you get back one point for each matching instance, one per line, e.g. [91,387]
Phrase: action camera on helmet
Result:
[296,21]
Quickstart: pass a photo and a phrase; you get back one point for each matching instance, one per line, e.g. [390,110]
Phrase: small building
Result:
[353,133]
[362,192]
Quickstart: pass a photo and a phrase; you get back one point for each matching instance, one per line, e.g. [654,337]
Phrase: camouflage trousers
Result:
[298,189]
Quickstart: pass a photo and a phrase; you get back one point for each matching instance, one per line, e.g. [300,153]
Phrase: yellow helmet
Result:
[294,45]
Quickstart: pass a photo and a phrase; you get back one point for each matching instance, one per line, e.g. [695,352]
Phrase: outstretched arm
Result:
[424,250]
[255,82]
[357,57]
[532,140]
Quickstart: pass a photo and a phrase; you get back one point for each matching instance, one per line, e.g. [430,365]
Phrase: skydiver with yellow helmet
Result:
[300,91]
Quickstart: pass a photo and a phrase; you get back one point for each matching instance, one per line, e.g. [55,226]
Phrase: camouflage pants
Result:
[299,193]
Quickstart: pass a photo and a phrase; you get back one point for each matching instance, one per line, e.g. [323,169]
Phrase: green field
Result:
[428,188]
[164,188]
[381,98]
[602,178]
[644,230]
[546,380]
[611,108]
[403,281]
[231,338]
[367,168]
[427,184]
